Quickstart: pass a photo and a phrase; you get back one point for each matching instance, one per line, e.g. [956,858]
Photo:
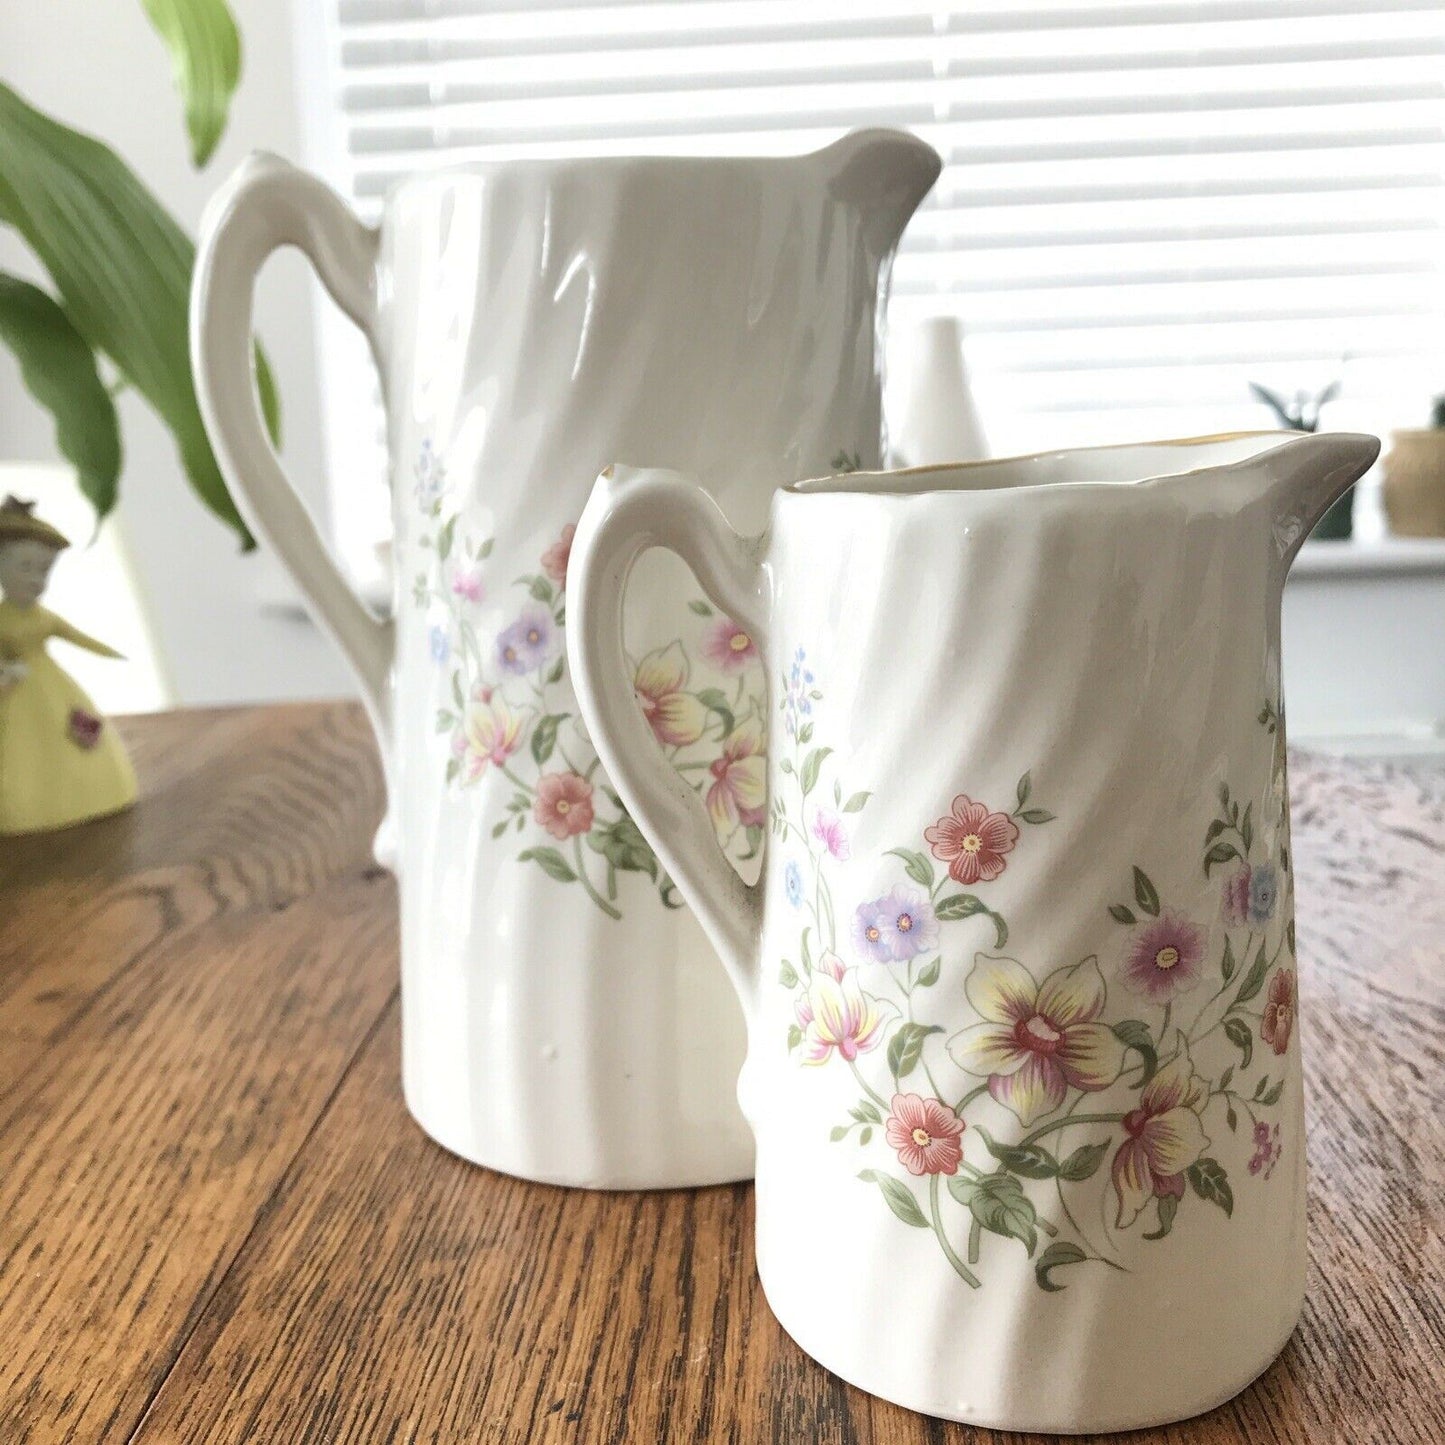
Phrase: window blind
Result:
[1145,204]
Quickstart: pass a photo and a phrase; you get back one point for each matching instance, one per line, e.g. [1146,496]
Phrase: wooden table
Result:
[217,1222]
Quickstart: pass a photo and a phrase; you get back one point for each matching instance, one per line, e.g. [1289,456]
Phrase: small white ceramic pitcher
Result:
[1019,973]
[563,1017]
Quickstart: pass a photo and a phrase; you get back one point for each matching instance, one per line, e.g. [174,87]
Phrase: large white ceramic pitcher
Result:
[563,1015]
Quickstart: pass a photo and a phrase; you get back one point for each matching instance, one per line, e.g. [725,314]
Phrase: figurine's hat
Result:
[18,521]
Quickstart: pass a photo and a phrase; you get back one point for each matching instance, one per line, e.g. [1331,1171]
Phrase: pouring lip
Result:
[881,484]
[568,160]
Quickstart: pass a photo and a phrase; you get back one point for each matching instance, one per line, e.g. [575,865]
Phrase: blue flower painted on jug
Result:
[793,883]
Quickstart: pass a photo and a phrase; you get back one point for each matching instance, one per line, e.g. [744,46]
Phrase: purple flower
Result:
[1165,958]
[900,925]
[1267,1149]
[441,646]
[1234,904]
[829,831]
[529,643]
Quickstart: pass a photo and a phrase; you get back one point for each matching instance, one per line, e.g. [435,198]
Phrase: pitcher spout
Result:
[1304,477]
[885,174]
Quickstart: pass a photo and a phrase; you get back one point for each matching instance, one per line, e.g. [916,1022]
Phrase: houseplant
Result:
[119,268]
[1414,483]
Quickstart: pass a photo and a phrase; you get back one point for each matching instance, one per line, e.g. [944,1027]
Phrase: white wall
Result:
[98,66]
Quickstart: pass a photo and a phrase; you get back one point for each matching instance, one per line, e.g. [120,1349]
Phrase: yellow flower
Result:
[677,718]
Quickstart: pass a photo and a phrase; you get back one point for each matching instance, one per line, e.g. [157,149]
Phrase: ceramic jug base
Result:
[734,1169]
[1044,1423]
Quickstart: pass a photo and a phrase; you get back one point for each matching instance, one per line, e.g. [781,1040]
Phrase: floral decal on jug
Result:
[1126,1074]
[512,716]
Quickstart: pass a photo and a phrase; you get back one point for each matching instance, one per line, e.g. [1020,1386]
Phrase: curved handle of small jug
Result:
[629,512]
[264,205]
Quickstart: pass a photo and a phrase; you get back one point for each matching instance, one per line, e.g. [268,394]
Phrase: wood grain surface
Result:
[218,1224]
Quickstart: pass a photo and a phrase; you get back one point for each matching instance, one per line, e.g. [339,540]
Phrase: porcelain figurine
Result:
[531,322]
[1024,1064]
[60,761]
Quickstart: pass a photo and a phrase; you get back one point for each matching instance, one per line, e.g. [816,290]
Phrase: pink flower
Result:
[727,646]
[739,792]
[1166,958]
[1234,903]
[1037,1040]
[829,831]
[972,841]
[467,583]
[1165,1137]
[490,733]
[556,557]
[564,804]
[835,1013]
[84,728]
[677,718]
[1267,1149]
[1279,1010]
[925,1133]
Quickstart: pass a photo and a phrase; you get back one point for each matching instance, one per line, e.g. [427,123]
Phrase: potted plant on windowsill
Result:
[1414,483]
[114,315]
[1301,412]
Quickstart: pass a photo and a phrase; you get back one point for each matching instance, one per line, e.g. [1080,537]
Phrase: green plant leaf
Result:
[1033,1161]
[856,803]
[1168,1208]
[1209,1181]
[1134,1034]
[928,974]
[206,62]
[715,701]
[624,847]
[1036,815]
[1238,1033]
[1271,1096]
[1254,979]
[795,1037]
[1226,963]
[1220,853]
[122,267]
[1000,1205]
[1084,1162]
[1025,786]
[1145,894]
[918,868]
[551,862]
[700,607]
[958,905]
[544,735]
[1120,914]
[1056,1256]
[446,537]
[58,369]
[812,764]
[899,1196]
[905,1048]
[787,975]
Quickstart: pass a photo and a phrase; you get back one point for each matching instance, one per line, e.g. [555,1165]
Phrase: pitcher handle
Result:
[267,204]
[629,512]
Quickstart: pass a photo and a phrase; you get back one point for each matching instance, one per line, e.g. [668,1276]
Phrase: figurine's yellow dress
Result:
[60,762]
